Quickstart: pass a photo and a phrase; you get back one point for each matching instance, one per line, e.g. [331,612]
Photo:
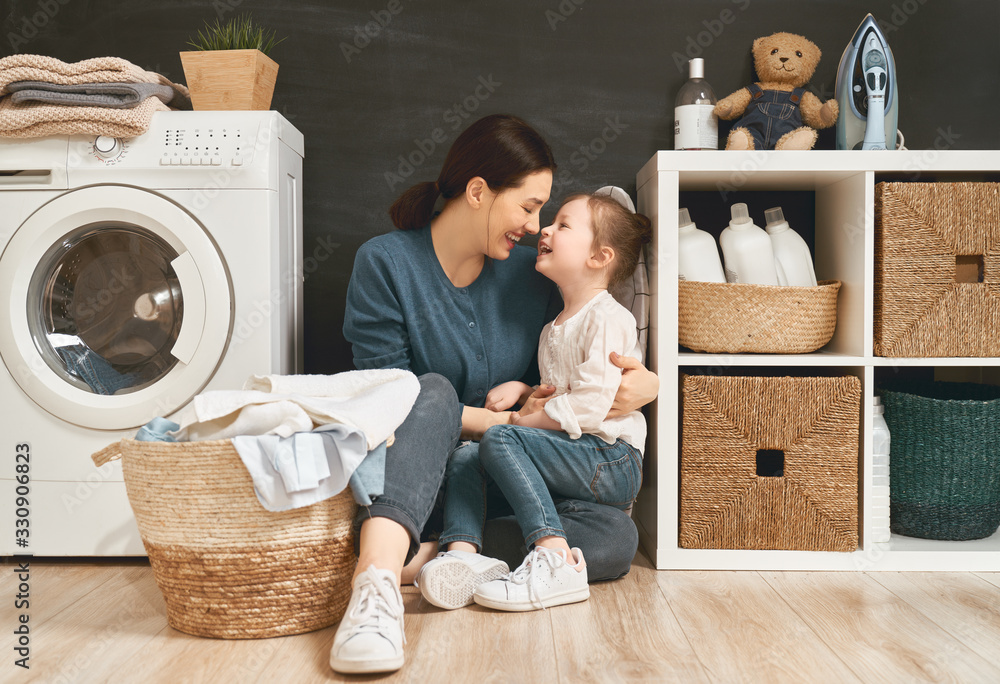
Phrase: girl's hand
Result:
[536,402]
[506,395]
[539,419]
[639,386]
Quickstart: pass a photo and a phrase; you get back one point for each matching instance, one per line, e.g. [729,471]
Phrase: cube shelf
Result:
[839,187]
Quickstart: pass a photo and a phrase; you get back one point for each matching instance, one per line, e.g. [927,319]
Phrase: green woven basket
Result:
[944,469]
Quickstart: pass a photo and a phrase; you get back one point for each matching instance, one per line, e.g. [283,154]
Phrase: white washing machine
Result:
[135,274]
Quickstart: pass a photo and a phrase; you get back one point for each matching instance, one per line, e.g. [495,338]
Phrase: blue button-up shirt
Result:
[403,312]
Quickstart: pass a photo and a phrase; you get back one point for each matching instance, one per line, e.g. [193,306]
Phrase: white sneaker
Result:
[544,579]
[448,580]
[370,636]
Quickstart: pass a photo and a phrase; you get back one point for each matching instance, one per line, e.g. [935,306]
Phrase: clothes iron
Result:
[866,92]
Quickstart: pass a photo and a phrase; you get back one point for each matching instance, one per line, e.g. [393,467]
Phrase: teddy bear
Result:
[775,108]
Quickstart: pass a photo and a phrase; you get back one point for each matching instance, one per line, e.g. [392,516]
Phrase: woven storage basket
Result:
[944,470]
[226,566]
[732,318]
[921,230]
[812,506]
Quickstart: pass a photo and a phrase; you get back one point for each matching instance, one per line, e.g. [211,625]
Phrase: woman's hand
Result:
[536,402]
[476,421]
[639,386]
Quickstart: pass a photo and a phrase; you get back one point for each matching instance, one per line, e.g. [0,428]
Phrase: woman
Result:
[455,300]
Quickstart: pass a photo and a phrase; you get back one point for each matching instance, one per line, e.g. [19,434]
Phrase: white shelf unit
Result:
[843,185]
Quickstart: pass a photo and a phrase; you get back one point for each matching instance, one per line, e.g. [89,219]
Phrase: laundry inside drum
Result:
[105,308]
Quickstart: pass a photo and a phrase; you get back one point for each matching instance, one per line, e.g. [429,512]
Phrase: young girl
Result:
[568,450]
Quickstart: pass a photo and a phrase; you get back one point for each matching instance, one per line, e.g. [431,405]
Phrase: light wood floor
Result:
[106,622]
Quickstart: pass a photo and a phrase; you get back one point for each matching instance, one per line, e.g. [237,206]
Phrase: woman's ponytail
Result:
[414,208]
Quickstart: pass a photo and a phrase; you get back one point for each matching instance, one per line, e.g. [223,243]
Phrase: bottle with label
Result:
[697,254]
[747,251]
[695,125]
[880,475]
[791,253]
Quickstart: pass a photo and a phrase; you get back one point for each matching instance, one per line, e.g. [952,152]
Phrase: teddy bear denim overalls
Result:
[771,114]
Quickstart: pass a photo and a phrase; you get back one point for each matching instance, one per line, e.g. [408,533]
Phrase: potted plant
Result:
[230,68]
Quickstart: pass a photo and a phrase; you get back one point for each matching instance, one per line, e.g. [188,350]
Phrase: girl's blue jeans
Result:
[414,472]
[533,468]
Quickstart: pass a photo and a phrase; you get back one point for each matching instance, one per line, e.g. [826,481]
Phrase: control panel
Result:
[217,146]
[185,150]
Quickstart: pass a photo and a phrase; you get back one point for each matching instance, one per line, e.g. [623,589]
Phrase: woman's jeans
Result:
[414,464]
[531,466]
[414,473]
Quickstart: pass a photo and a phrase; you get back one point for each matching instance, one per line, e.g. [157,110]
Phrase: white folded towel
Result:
[374,401]
[227,414]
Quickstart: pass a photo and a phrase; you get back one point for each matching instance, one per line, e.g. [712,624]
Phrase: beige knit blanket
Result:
[36,120]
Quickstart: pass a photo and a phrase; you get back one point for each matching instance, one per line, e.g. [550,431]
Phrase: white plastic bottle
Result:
[879,495]
[747,251]
[695,125]
[697,254]
[793,262]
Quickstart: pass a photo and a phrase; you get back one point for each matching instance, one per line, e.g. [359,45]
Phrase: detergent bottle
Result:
[747,250]
[697,253]
[791,253]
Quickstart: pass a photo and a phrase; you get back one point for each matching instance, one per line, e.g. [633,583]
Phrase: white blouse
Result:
[573,357]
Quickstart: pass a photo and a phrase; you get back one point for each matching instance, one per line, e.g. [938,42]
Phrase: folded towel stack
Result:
[110,96]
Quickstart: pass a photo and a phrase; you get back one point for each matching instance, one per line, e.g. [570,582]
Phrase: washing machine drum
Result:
[119,307]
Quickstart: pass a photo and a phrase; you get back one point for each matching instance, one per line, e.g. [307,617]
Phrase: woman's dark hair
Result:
[616,227]
[500,148]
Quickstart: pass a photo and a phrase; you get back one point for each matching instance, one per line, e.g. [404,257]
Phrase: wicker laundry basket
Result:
[733,318]
[937,269]
[944,472]
[226,566]
[729,422]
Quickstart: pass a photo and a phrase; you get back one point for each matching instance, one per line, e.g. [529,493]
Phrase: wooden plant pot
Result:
[229,79]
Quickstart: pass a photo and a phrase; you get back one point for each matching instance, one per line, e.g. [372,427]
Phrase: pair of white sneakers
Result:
[370,636]
[546,578]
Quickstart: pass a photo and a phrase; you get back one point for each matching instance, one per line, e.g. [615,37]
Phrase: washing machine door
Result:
[115,307]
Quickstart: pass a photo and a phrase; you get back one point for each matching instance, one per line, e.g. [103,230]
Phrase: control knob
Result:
[107,147]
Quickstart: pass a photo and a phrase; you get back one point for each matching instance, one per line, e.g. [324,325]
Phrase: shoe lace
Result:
[525,573]
[379,600]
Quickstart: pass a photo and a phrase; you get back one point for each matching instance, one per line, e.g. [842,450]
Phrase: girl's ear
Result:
[602,258]
[475,191]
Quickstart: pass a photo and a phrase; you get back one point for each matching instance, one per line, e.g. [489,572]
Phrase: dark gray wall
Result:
[596,77]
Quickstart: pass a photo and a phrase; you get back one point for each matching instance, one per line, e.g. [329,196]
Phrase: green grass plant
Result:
[239,33]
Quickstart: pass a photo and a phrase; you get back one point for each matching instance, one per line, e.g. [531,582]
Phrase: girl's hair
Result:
[616,227]
[500,148]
